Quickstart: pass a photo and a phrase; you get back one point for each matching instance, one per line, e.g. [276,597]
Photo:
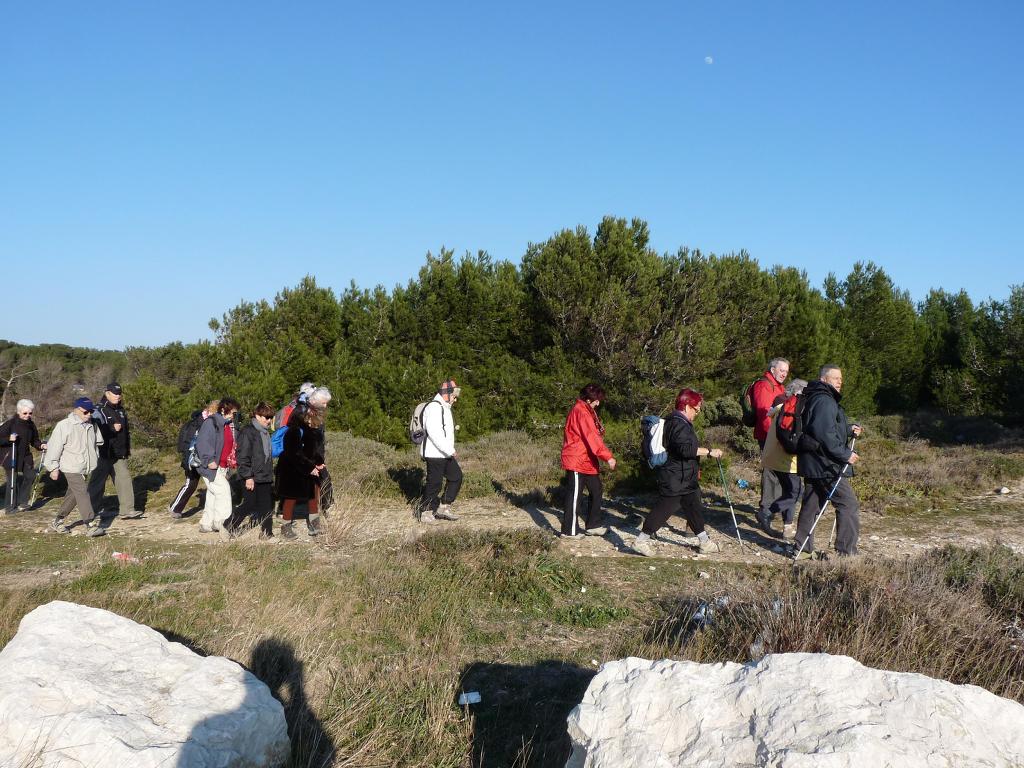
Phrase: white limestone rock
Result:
[85,687]
[793,710]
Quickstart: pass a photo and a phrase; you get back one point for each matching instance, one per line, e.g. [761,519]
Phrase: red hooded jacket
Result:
[583,446]
[763,394]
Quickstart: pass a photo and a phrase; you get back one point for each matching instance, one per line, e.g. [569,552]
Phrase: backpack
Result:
[789,427]
[417,432]
[188,431]
[192,460]
[277,441]
[747,404]
[282,416]
[652,444]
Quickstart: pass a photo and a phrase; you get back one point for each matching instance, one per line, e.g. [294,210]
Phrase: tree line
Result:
[522,338]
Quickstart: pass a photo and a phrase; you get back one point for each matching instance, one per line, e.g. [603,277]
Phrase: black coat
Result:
[253,462]
[825,421]
[303,451]
[679,474]
[27,434]
[117,444]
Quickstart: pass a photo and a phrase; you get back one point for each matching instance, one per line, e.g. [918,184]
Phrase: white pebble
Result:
[704,575]
[650,568]
[583,589]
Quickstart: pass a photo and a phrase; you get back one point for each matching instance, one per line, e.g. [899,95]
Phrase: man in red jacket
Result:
[583,449]
[763,393]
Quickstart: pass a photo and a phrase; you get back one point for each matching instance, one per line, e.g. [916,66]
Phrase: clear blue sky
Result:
[160,162]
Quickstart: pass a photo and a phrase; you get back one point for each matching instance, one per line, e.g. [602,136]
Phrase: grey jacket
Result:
[253,452]
[210,445]
[73,446]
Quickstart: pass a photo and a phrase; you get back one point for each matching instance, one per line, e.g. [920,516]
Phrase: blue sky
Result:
[161,162]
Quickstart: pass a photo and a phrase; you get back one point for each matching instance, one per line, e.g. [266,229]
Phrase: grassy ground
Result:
[369,642]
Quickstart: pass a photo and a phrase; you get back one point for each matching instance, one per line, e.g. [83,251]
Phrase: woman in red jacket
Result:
[583,449]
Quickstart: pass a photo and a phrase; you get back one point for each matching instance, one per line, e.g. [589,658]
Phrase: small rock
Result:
[56,573]
[583,590]
[1003,491]
[704,575]
[874,537]
[594,662]
[650,568]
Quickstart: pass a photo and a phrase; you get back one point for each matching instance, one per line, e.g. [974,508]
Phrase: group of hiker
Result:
[803,435]
[801,428]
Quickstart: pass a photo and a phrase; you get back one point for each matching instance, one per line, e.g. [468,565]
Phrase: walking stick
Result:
[14,474]
[824,506]
[725,489]
[35,480]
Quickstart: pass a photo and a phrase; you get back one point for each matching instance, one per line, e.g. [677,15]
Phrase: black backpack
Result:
[188,431]
[747,404]
[789,427]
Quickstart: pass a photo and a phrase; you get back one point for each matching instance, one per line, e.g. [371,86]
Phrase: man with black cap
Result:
[438,450]
[71,451]
[112,421]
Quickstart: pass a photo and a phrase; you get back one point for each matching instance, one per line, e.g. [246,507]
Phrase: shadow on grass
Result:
[521,718]
[530,503]
[409,481]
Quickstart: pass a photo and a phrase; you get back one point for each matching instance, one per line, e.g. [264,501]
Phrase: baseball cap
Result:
[85,404]
[113,388]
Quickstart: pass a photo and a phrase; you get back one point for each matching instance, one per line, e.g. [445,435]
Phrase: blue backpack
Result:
[277,441]
[651,442]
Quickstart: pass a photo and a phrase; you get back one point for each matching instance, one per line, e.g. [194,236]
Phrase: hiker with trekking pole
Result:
[826,465]
[18,435]
[678,475]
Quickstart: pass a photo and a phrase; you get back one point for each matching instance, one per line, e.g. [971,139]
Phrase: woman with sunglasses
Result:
[17,436]
[678,489]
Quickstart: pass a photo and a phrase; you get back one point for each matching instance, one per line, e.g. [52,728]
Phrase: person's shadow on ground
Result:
[274,662]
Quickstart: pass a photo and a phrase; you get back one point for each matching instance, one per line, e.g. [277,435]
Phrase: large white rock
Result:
[87,688]
[790,710]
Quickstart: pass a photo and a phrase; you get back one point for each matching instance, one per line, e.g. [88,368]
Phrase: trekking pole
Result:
[35,480]
[14,474]
[725,489]
[824,507]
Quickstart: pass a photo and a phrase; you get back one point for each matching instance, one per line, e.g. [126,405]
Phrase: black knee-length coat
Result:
[303,451]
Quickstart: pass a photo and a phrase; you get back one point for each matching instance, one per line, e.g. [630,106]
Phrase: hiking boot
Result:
[599,531]
[313,527]
[789,532]
[268,538]
[176,515]
[24,508]
[642,545]
[805,555]
[206,529]
[765,522]
[58,526]
[426,516]
[132,515]
[95,530]
[707,546]
[225,533]
[444,512]
[570,535]
[288,530]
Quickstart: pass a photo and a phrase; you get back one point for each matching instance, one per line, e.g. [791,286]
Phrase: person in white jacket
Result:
[72,450]
[438,450]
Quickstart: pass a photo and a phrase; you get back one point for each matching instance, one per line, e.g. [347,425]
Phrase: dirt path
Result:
[973,521]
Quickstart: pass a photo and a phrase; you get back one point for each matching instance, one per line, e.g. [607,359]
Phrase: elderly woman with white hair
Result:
[18,435]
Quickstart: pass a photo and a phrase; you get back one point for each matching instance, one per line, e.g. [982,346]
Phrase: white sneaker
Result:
[642,546]
[426,516]
[708,546]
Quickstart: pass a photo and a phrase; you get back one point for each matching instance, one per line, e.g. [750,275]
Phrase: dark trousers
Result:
[257,505]
[22,480]
[186,491]
[784,504]
[689,504]
[847,508]
[438,470]
[576,482]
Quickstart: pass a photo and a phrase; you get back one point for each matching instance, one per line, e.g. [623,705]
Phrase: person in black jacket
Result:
[256,470]
[824,420]
[18,435]
[186,434]
[678,488]
[112,421]
[298,470]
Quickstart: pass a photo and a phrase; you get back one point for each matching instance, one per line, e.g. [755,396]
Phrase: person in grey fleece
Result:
[256,470]
[72,450]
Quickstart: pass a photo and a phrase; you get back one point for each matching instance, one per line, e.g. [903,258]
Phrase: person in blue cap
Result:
[72,451]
